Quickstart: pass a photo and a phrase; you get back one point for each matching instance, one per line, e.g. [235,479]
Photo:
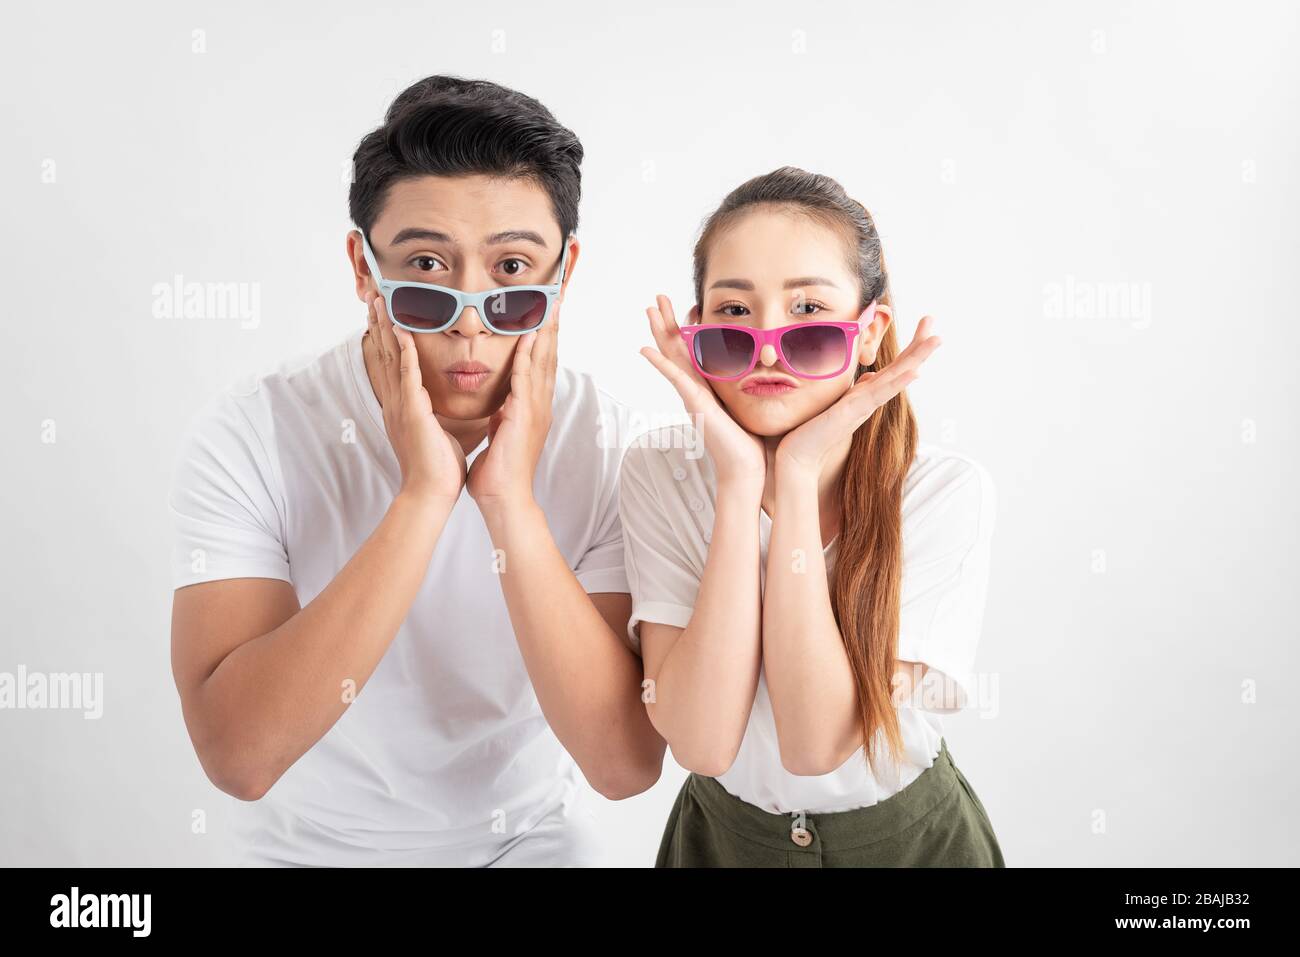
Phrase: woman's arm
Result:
[809,678]
[701,679]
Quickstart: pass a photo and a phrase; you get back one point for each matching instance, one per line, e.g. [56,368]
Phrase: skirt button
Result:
[801,836]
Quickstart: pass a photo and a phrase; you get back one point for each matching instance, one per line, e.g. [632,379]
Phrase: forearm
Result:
[704,688]
[275,696]
[587,679]
[809,677]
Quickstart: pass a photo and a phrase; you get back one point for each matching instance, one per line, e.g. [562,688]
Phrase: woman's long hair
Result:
[866,582]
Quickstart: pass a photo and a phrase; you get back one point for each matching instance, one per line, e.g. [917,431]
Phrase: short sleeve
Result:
[947,540]
[600,569]
[662,579]
[226,508]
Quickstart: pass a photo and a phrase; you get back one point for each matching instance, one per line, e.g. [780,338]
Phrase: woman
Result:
[807,595]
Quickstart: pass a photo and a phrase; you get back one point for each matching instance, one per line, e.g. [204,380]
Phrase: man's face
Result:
[470,233]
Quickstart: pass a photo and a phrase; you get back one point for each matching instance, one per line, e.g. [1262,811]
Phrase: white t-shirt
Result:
[667,495]
[444,757]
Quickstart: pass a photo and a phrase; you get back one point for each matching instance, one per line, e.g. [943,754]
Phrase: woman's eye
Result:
[514,267]
[808,307]
[425,263]
[730,310]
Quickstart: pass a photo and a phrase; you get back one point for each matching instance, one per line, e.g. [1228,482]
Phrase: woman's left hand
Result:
[806,447]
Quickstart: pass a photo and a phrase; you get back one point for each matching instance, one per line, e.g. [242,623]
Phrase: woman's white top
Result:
[666,501]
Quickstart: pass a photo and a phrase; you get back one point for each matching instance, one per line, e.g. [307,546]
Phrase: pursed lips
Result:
[765,385]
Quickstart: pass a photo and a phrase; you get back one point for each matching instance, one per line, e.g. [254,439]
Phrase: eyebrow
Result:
[414,233]
[748,286]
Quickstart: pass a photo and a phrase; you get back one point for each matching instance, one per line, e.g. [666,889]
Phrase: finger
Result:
[546,351]
[377,350]
[522,367]
[686,386]
[670,317]
[658,326]
[408,370]
[390,349]
[921,348]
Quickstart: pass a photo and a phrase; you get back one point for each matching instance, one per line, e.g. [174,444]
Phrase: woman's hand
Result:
[432,462]
[806,447]
[737,455]
[503,472]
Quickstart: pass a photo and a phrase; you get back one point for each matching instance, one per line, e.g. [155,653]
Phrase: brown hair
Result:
[866,583]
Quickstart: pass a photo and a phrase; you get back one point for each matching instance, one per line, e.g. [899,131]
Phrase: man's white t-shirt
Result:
[444,757]
[668,496]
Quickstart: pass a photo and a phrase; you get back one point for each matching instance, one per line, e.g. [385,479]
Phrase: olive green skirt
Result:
[936,821]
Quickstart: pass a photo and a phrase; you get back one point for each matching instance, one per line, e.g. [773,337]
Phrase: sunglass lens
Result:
[422,308]
[816,350]
[723,352]
[516,311]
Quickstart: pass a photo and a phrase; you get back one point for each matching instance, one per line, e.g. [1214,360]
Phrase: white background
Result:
[1140,623]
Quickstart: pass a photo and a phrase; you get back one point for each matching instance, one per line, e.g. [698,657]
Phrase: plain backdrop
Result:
[1097,205]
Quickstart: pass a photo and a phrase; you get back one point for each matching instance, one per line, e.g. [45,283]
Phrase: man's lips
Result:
[761,385]
[466,376]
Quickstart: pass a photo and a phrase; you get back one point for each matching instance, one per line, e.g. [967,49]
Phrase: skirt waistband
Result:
[843,829]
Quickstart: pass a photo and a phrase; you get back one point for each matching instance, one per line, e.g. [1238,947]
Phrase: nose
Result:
[767,355]
[468,324]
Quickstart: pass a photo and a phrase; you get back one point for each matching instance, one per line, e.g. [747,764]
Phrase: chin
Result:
[478,404]
[767,420]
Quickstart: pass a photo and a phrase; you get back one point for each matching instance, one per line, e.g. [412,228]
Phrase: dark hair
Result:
[450,126]
[866,585]
[814,195]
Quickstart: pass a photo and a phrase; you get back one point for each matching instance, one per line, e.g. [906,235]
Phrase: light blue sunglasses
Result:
[506,310]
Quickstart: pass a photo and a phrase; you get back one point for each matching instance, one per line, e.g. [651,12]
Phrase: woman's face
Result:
[776,268]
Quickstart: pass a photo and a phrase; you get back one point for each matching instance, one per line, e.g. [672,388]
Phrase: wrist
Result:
[500,509]
[419,505]
[791,471]
[742,488]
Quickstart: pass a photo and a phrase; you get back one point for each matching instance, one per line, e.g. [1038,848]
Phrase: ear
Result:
[574,248]
[362,280]
[873,332]
[693,317]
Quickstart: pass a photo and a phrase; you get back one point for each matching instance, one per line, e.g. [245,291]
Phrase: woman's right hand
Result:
[432,462]
[738,455]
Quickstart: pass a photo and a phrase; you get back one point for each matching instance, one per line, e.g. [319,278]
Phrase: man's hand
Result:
[432,462]
[503,472]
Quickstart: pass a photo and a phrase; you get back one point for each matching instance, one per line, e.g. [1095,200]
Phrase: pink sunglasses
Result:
[810,350]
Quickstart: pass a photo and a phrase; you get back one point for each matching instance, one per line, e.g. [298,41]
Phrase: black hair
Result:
[450,126]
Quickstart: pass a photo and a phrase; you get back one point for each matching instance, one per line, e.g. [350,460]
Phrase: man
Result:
[398,562]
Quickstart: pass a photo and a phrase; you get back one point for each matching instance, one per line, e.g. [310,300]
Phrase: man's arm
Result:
[262,680]
[587,679]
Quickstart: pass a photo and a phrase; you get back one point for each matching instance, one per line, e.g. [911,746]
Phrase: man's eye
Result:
[513,267]
[425,263]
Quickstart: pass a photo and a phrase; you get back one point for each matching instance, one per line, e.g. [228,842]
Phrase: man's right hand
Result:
[432,462]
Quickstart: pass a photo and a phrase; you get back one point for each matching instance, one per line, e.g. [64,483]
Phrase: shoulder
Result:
[581,408]
[670,455]
[245,415]
[952,489]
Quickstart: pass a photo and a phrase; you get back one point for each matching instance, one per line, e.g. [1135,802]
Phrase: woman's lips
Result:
[761,387]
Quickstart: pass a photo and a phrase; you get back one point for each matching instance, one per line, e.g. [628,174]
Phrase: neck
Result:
[468,432]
